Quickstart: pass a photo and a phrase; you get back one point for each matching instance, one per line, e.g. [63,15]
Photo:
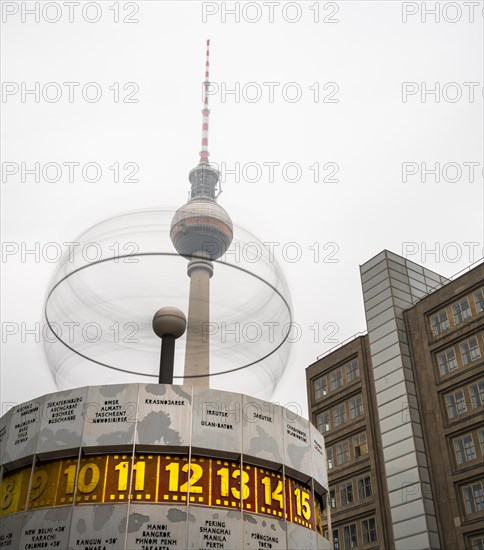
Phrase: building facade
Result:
[342,407]
[414,385]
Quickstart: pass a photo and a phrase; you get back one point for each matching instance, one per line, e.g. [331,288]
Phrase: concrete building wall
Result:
[358,463]
[443,367]
[391,285]
[421,367]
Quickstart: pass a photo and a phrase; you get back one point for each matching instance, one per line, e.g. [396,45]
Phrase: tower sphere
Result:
[169,320]
[201,225]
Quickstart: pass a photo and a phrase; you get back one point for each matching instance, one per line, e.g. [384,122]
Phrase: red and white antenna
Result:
[204,154]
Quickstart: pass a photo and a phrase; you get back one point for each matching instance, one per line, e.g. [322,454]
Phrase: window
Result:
[461,310]
[477,543]
[464,449]
[352,371]
[439,322]
[360,445]
[336,545]
[332,498]
[477,394]
[456,404]
[364,487]
[349,533]
[323,421]
[320,387]
[342,453]
[336,379]
[339,415]
[473,498]
[481,440]
[369,530]
[447,361]
[470,350]
[346,492]
[329,457]
[356,406]
[479,300]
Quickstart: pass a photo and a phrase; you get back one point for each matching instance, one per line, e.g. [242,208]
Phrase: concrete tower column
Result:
[197,351]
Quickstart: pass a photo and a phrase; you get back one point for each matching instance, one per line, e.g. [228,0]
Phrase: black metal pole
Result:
[167,359]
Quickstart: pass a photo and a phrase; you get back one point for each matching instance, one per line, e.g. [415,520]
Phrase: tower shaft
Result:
[197,351]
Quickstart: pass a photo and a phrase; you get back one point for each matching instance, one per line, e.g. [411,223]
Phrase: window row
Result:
[461,311]
[477,543]
[350,491]
[465,399]
[355,534]
[469,447]
[344,452]
[340,414]
[473,497]
[468,352]
[337,378]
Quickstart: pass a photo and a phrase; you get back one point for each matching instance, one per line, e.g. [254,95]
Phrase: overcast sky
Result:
[364,72]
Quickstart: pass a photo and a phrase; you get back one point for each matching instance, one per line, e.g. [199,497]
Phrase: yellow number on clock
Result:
[302,504]
[275,495]
[223,473]
[196,473]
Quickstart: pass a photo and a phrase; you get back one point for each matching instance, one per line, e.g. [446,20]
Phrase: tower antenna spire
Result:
[204,154]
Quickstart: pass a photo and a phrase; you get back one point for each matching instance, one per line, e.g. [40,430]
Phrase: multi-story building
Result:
[343,407]
[401,408]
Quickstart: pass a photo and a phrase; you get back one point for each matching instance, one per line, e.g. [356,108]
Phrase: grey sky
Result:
[368,133]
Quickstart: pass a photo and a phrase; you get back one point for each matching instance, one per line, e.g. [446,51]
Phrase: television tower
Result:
[201,231]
